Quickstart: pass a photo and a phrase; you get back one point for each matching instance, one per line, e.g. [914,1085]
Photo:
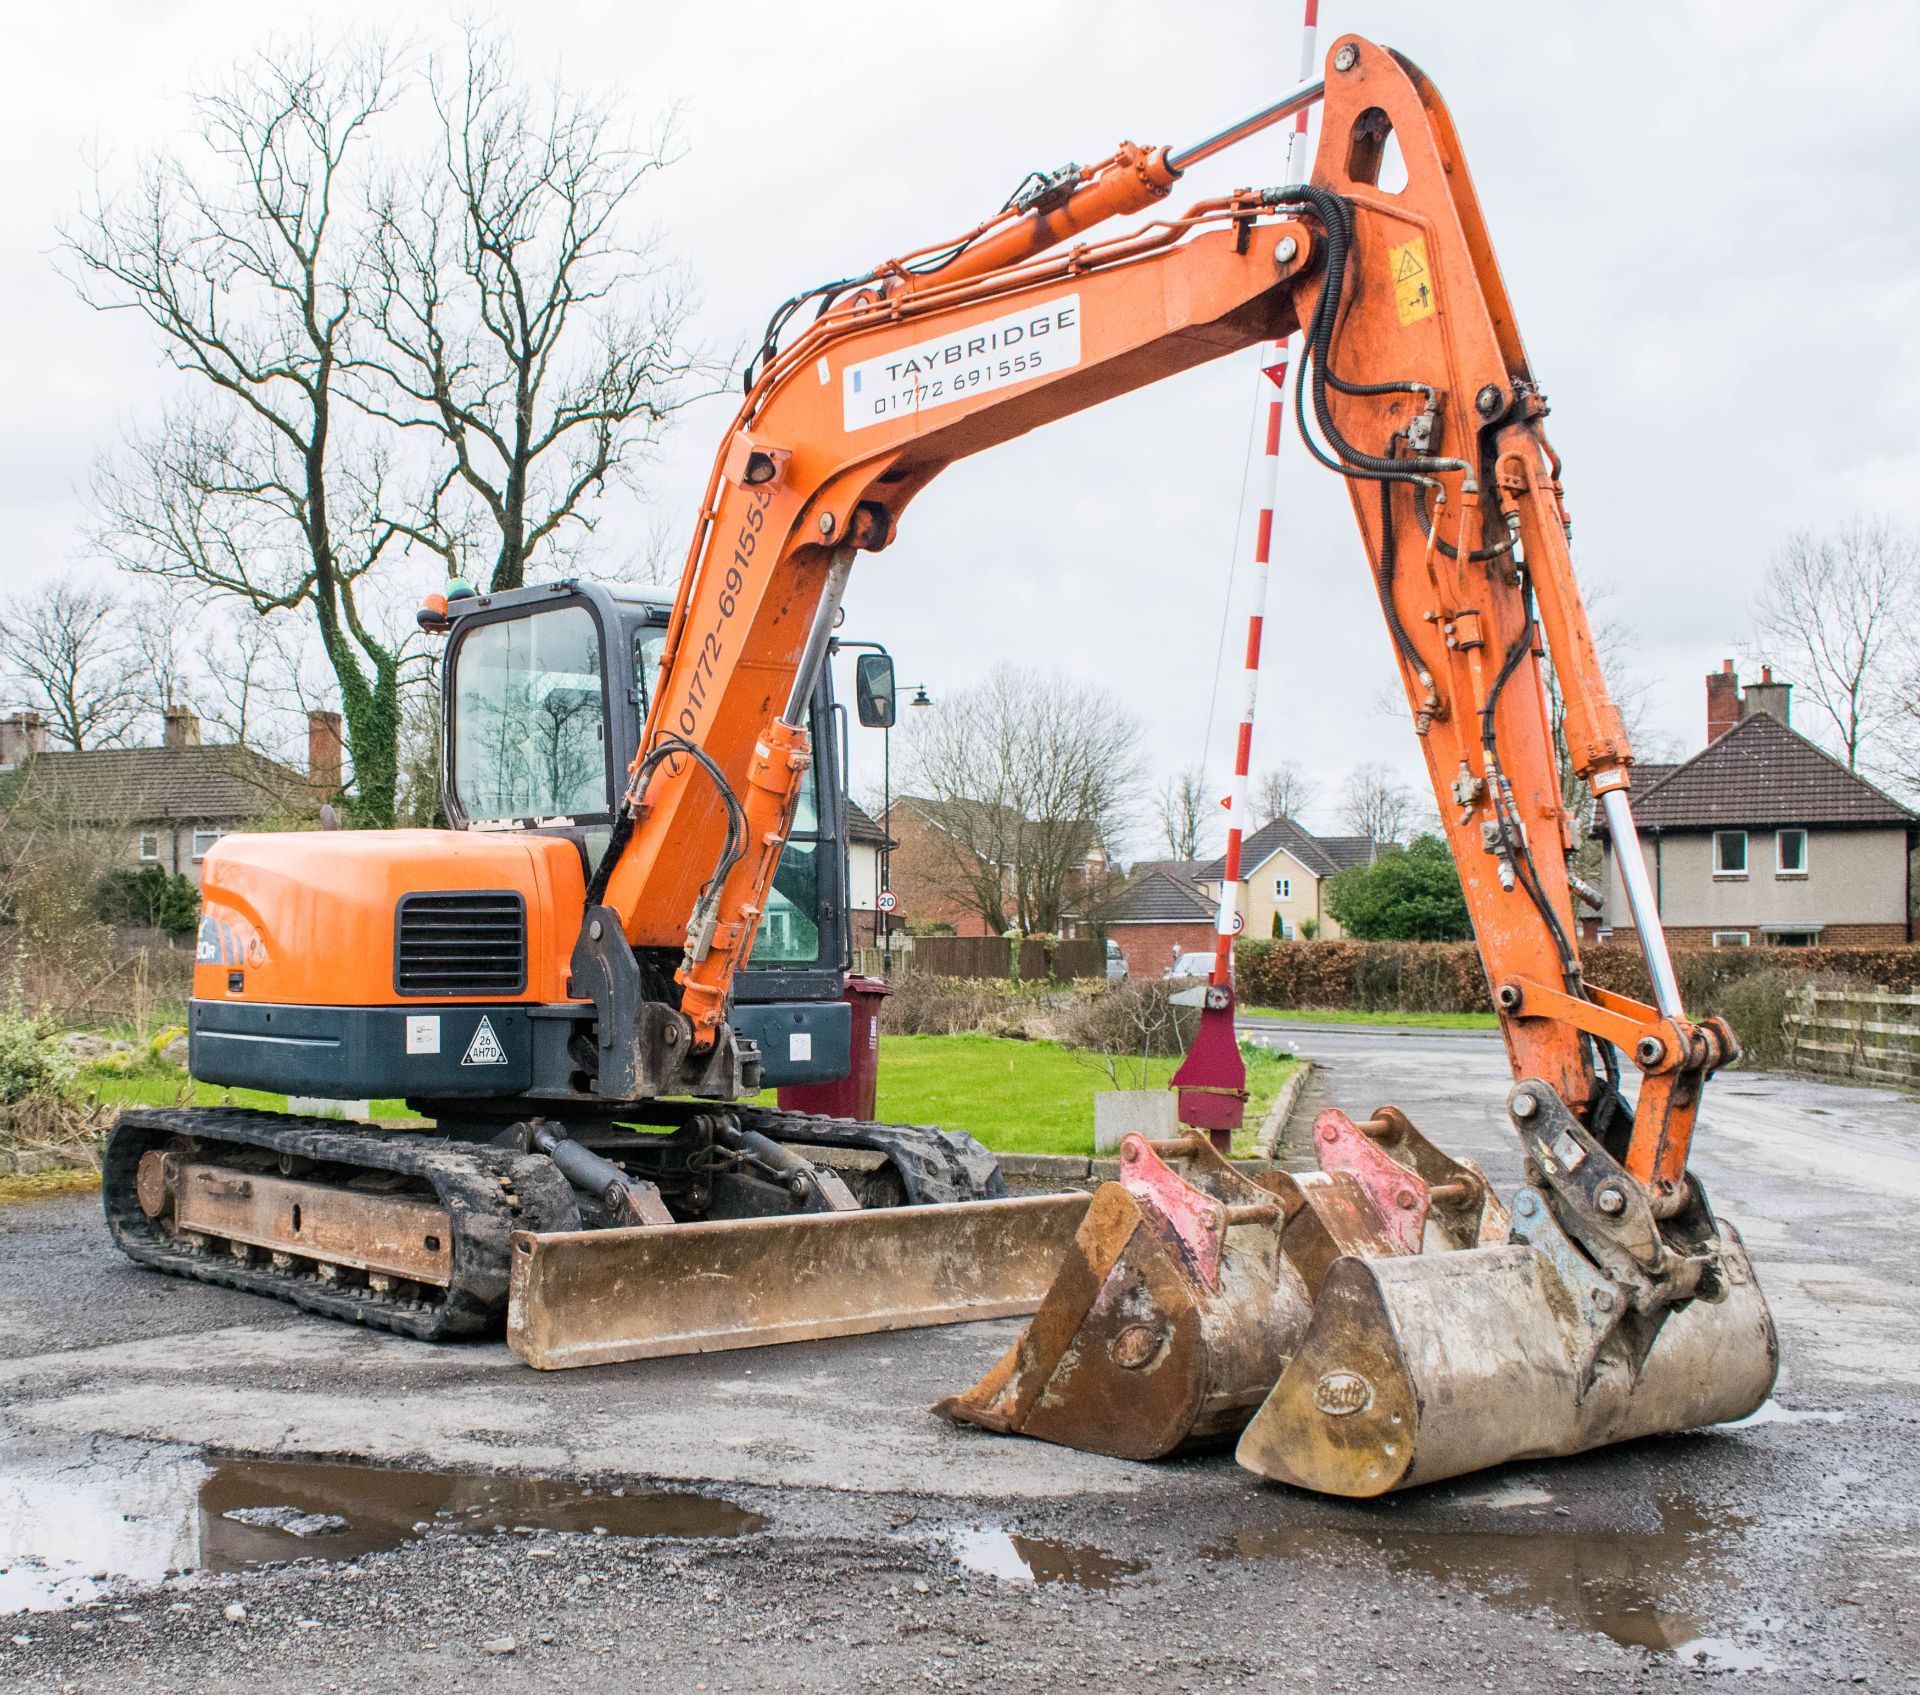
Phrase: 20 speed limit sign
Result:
[887,901]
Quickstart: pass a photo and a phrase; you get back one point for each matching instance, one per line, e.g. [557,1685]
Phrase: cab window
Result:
[529,719]
[789,933]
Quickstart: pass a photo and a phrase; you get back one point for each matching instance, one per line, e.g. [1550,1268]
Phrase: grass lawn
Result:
[1027,1097]
[1017,1097]
[1414,1020]
[150,1085]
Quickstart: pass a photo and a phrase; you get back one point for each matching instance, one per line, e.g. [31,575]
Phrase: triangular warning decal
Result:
[1409,266]
[485,1048]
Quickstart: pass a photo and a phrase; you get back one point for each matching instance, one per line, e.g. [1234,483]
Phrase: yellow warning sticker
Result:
[1412,280]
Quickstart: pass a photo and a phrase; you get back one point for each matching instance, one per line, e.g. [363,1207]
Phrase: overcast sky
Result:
[1704,213]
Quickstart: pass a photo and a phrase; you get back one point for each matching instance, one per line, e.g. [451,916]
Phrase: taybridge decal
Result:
[964,362]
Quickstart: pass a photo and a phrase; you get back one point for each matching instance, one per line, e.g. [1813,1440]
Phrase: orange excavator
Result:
[554,983]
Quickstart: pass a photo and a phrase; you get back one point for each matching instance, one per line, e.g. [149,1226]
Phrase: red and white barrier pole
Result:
[1211,1081]
[1273,396]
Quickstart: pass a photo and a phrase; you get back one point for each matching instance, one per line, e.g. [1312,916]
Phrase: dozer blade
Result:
[1172,1313]
[593,1297]
[1421,1368]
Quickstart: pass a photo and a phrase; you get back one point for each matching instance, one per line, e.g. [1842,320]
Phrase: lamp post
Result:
[920,698]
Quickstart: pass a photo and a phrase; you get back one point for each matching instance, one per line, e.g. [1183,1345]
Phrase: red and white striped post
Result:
[1273,395]
[1212,1080]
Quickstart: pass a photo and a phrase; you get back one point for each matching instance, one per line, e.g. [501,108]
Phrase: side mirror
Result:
[873,695]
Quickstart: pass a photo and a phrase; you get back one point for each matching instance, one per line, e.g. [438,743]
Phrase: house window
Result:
[1794,938]
[1729,853]
[149,845]
[1732,938]
[1790,853]
[1283,888]
[203,840]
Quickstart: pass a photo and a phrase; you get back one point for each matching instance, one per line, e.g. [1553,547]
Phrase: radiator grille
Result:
[463,942]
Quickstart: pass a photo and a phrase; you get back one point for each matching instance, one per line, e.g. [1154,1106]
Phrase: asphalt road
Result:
[795,1519]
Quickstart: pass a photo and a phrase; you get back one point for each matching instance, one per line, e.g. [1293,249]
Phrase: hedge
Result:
[1447,976]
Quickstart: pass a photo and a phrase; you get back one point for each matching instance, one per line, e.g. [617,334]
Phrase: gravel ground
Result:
[899,1552]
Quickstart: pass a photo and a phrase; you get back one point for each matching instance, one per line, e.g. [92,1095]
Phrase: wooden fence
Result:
[992,956]
[1867,1033]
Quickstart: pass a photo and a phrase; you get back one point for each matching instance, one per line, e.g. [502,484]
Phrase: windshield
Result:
[789,932]
[529,719]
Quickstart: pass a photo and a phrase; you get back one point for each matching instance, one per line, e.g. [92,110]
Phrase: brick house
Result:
[1160,913]
[930,846]
[173,802]
[1763,839]
[1168,906]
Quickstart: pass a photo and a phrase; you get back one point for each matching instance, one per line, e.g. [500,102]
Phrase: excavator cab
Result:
[545,692]
[467,997]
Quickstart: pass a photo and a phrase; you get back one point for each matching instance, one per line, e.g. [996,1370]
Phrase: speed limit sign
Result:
[887,901]
[1239,922]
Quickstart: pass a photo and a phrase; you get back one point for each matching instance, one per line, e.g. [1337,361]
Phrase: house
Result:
[1763,839]
[942,846]
[867,846]
[1169,906]
[1160,913]
[1284,871]
[173,802]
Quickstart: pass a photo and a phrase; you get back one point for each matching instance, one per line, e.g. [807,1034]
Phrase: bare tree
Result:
[1375,804]
[1022,781]
[69,652]
[1184,812]
[503,319]
[1831,615]
[246,263]
[1282,791]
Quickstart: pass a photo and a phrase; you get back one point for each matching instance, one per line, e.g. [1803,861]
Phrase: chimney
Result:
[1774,699]
[183,727]
[22,735]
[324,756]
[1723,700]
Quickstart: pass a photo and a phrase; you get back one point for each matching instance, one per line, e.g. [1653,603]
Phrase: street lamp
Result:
[878,710]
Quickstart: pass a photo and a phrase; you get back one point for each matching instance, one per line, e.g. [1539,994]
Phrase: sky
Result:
[1702,209]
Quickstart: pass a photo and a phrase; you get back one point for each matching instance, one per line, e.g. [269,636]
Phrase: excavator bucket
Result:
[1172,1313]
[594,1297]
[1421,1367]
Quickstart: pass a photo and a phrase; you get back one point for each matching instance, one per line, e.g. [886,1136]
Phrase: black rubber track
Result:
[488,1191]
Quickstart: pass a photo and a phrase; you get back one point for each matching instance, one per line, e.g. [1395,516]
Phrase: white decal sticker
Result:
[800,1045]
[485,1048]
[423,1032]
[968,361]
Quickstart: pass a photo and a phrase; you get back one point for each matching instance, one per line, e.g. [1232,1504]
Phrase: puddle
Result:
[1774,1413]
[1033,1560]
[70,1530]
[1623,1584]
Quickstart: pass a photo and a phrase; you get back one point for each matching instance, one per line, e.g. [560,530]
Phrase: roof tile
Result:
[1758,774]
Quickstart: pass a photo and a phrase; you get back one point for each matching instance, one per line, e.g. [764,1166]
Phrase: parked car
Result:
[1116,963]
[1191,965]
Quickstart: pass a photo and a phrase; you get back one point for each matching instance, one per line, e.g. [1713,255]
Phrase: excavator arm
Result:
[1416,389]
[1385,1320]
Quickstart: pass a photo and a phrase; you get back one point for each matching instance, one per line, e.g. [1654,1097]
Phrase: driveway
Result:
[795,1518]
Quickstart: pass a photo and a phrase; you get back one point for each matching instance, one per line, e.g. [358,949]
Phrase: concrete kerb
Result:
[1274,1125]
[29,1162]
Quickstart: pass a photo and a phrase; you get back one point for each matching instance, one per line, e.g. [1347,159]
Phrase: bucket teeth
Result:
[1168,1320]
